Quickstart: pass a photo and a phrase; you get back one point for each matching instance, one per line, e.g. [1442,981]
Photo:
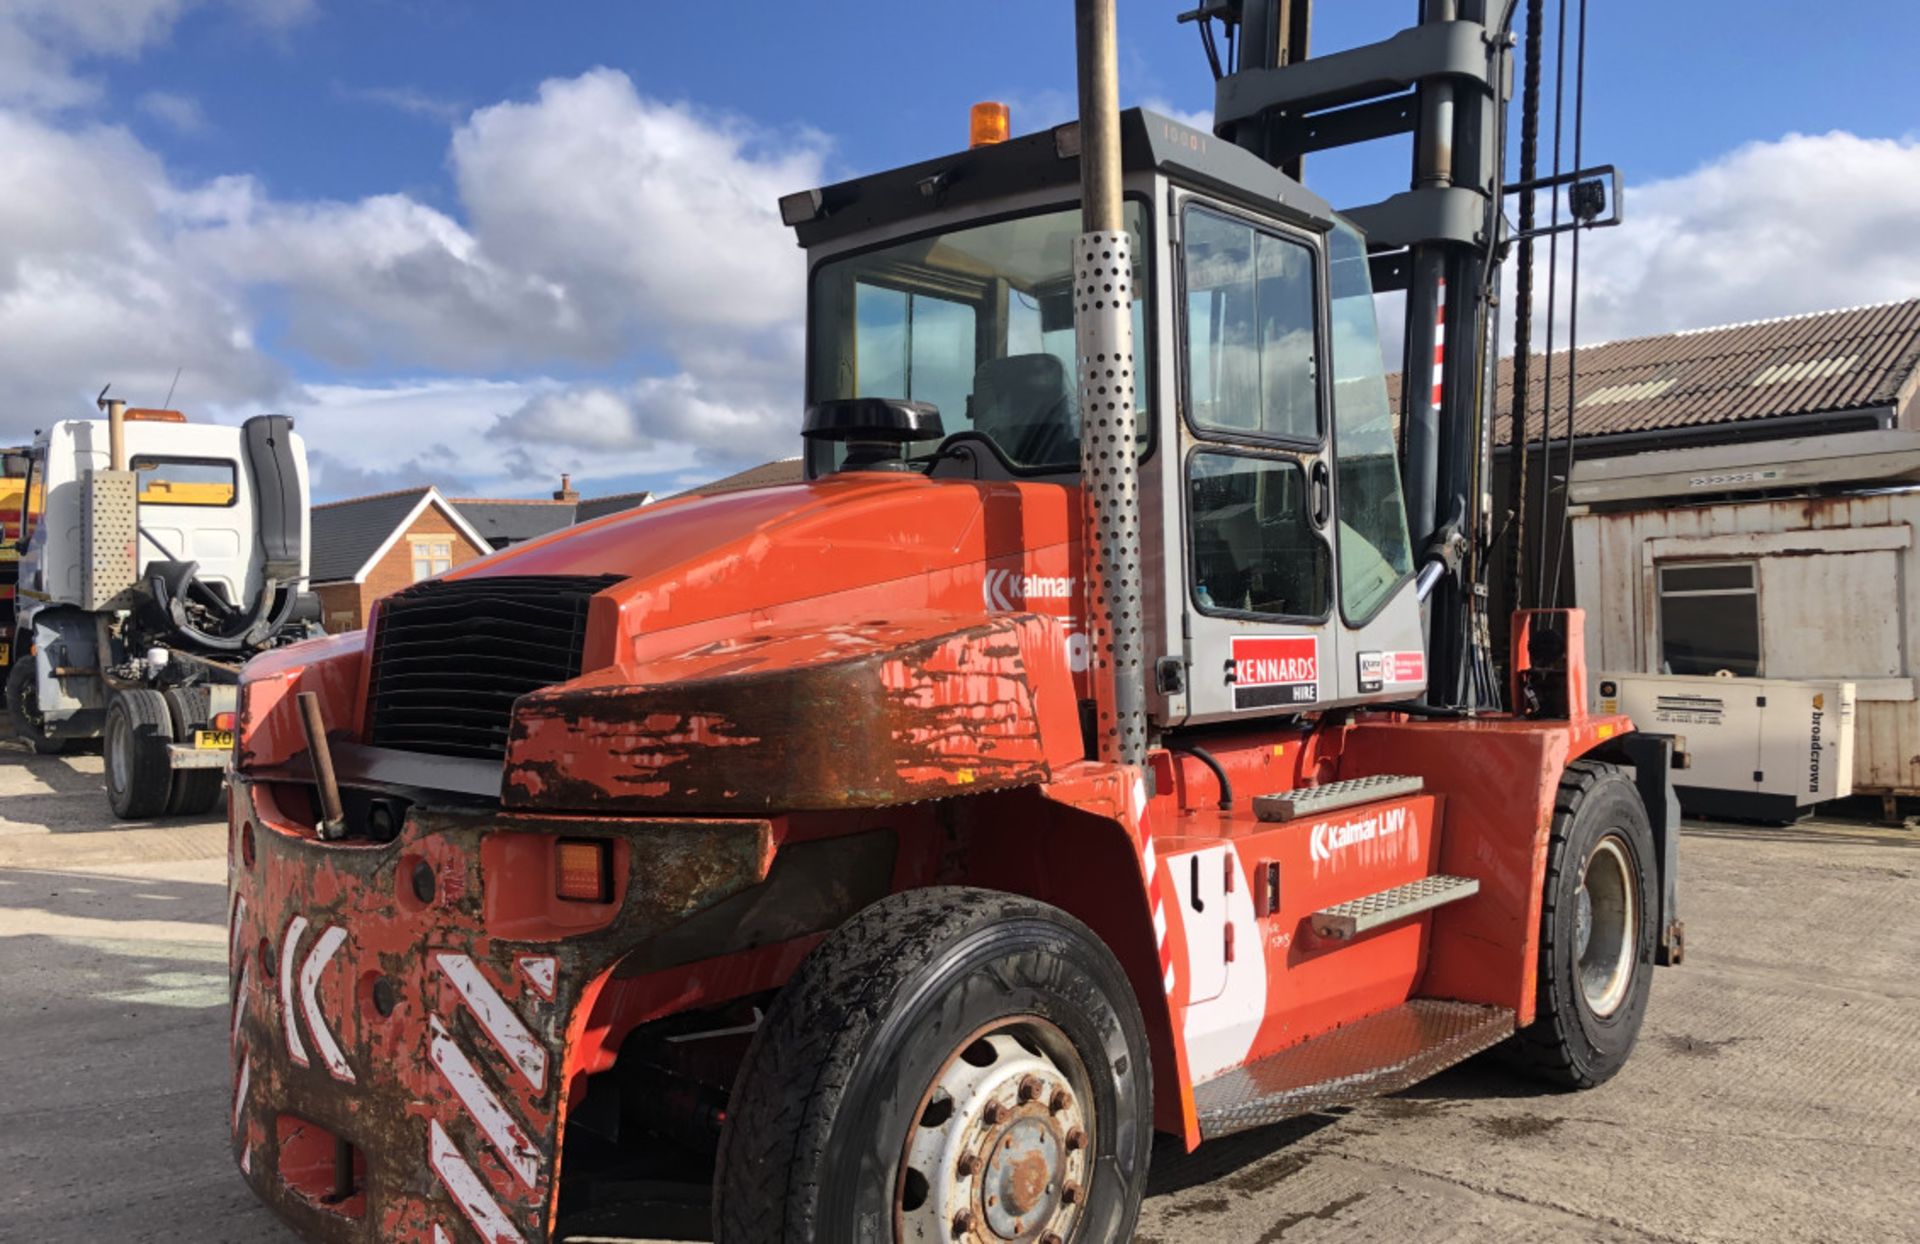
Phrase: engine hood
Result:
[853,545]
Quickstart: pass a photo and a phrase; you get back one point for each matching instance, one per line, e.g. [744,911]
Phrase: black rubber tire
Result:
[1568,1045]
[139,779]
[811,1150]
[23,712]
[195,791]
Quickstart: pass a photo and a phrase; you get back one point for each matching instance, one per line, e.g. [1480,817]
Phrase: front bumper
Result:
[402,1011]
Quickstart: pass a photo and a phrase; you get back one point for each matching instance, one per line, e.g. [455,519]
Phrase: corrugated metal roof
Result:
[1853,359]
[1859,358]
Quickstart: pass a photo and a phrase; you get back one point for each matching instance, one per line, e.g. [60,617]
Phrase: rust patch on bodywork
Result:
[856,715]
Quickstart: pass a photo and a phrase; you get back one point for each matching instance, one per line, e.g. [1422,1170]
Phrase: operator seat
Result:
[1023,401]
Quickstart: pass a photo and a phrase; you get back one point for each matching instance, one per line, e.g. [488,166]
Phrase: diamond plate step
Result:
[1355,916]
[1291,805]
[1380,1054]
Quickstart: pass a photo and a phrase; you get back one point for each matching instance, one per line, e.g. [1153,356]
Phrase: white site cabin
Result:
[1811,578]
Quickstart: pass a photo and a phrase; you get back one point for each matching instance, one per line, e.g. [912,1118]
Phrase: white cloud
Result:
[409,100]
[1193,118]
[182,113]
[650,214]
[595,227]
[93,288]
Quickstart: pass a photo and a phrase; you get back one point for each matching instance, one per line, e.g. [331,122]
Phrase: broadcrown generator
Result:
[1761,749]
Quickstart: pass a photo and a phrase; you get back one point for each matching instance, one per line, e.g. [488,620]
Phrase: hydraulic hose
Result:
[1206,758]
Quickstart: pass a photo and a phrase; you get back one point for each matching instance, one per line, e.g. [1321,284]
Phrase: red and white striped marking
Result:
[1440,344]
[499,1018]
[240,1002]
[238,928]
[509,1139]
[289,1023]
[468,1190]
[240,1090]
[539,972]
[1150,865]
[316,963]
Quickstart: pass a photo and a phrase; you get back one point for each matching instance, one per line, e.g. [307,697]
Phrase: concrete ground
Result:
[1773,1097]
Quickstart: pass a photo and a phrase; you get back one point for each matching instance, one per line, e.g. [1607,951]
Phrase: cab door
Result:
[1261,630]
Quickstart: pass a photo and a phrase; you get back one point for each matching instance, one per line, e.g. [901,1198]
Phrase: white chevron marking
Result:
[240,1001]
[508,1138]
[538,969]
[317,961]
[289,946]
[239,926]
[500,1020]
[467,1190]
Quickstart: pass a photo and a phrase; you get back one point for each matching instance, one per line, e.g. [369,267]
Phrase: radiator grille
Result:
[451,657]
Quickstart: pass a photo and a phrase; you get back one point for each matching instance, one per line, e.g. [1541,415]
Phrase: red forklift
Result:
[1102,741]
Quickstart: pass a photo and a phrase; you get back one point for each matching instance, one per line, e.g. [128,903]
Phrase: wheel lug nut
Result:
[1059,1101]
[993,1113]
[1076,1139]
[967,1165]
[963,1222]
[1030,1087]
[1070,1194]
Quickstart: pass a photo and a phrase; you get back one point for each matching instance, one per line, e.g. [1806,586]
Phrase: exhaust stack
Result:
[1103,344]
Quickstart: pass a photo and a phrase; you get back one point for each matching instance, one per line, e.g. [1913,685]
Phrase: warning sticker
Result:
[1274,671]
[1406,667]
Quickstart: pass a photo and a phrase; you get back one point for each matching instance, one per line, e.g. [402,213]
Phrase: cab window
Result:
[1252,354]
[976,320]
[1375,554]
[1254,549]
[184,481]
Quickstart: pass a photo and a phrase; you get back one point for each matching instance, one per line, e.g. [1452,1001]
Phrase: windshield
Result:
[1374,551]
[977,321]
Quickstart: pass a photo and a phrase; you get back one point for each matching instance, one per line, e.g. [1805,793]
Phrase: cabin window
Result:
[1254,549]
[184,481]
[977,320]
[1375,554]
[1709,618]
[1252,354]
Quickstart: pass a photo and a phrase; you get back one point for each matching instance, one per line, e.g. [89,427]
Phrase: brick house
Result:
[370,547]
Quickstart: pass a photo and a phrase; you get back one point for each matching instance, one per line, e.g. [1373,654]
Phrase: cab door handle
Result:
[1320,493]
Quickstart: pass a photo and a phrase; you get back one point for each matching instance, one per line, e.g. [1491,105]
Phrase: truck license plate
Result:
[213,740]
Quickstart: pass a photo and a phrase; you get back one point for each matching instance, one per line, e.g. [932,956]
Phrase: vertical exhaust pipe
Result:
[116,434]
[1103,345]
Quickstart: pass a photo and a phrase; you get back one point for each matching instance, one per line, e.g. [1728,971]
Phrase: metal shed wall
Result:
[1837,595]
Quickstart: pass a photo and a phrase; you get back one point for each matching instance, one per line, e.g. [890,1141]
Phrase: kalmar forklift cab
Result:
[1279,574]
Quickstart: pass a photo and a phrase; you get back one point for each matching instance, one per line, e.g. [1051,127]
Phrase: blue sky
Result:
[424,225]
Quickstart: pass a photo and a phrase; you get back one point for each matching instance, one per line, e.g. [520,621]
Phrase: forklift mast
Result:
[1444,81]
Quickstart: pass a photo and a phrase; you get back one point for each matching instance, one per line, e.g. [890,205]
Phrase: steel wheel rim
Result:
[1001,1148]
[1606,926]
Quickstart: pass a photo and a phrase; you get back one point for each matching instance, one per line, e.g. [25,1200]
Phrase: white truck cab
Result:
[157,556]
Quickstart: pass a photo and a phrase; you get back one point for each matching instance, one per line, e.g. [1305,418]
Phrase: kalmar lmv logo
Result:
[1327,837]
